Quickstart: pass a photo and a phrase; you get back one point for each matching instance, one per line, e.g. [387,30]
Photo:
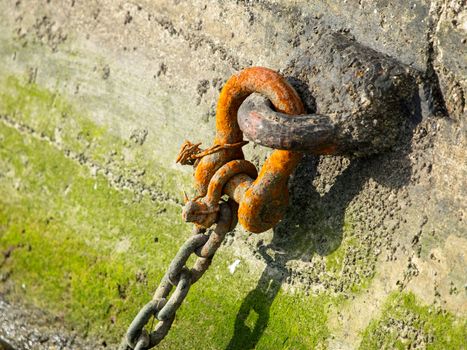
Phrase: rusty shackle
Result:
[262,200]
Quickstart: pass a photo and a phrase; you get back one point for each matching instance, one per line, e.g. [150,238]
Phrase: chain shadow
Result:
[314,224]
[256,305]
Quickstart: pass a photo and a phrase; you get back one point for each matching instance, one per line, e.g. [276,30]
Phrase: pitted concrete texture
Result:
[147,75]
[26,328]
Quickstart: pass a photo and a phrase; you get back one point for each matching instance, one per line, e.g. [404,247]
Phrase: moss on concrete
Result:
[335,260]
[405,324]
[93,254]
[70,128]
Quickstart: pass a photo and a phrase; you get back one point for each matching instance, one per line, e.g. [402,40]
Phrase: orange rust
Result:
[262,202]
[265,201]
[255,79]
[201,209]
[224,174]
[237,186]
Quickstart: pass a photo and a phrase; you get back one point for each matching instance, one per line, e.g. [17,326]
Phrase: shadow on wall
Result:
[301,234]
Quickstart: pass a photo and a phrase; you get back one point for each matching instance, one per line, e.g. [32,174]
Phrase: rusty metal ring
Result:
[203,210]
[310,133]
[263,203]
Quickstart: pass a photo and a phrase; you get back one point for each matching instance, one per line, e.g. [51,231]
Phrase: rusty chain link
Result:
[162,307]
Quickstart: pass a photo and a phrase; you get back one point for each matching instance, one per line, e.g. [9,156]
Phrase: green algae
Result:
[72,128]
[405,323]
[335,260]
[93,254]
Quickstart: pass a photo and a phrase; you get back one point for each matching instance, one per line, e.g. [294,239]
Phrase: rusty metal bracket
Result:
[263,199]
[371,94]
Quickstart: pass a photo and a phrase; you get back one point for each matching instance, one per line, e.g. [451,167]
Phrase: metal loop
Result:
[200,209]
[217,236]
[139,322]
[177,264]
[311,133]
[199,250]
[199,268]
[160,331]
[207,251]
[143,341]
[262,202]
[177,297]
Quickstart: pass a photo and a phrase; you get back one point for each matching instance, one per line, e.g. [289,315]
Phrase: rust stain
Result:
[262,200]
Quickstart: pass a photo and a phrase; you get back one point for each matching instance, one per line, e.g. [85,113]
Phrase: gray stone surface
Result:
[151,71]
[27,328]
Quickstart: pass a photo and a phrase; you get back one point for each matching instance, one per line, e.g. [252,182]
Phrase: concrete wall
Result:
[96,98]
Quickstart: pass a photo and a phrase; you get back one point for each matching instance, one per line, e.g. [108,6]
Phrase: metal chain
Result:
[215,176]
[163,307]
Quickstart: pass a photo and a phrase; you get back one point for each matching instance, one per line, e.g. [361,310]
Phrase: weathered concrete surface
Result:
[97,96]
[28,328]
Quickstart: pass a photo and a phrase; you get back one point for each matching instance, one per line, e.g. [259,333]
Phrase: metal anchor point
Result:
[257,200]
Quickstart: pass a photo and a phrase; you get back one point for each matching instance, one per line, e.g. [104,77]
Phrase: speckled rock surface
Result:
[26,328]
[374,247]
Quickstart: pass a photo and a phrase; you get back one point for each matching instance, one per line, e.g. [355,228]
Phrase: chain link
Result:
[163,307]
